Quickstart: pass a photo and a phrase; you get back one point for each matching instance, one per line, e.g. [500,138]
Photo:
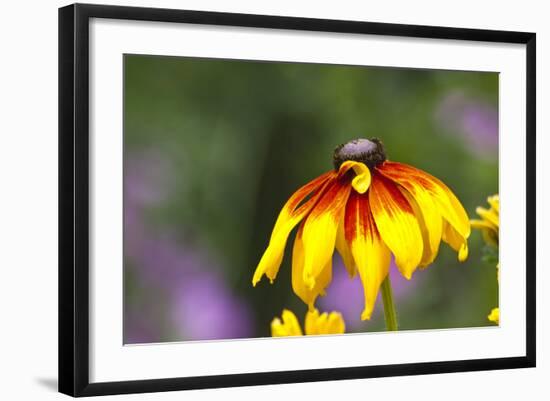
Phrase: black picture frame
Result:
[74,198]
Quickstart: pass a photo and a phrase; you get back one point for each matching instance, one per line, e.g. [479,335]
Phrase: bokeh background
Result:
[214,148]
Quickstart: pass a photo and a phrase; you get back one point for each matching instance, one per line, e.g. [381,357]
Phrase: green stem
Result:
[389,307]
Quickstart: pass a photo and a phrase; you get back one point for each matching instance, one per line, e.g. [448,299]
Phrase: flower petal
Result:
[335,323]
[343,249]
[494,316]
[371,255]
[289,326]
[430,222]
[312,322]
[449,206]
[489,215]
[291,214]
[494,201]
[488,231]
[481,225]
[397,224]
[362,180]
[306,294]
[320,229]
[324,323]
[455,240]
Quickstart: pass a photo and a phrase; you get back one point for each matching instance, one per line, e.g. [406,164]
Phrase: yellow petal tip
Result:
[494,316]
[255,280]
[366,315]
[463,253]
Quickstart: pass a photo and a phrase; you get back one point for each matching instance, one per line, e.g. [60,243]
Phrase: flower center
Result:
[368,151]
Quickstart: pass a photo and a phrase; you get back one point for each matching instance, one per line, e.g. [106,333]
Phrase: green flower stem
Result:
[389,307]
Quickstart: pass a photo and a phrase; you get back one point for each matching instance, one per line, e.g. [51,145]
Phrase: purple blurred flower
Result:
[145,186]
[163,262]
[204,309]
[345,295]
[474,120]
[178,282]
[146,178]
[138,330]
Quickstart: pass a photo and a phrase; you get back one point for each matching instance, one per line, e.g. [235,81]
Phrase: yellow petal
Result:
[335,324]
[291,214]
[463,252]
[491,216]
[306,294]
[488,230]
[362,180]
[371,255]
[449,206]
[429,220]
[289,326]
[396,224]
[324,323]
[494,201]
[455,240]
[320,229]
[343,249]
[311,322]
[489,224]
[277,328]
[481,225]
[494,316]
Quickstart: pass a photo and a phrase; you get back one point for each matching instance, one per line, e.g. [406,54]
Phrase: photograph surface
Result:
[273,199]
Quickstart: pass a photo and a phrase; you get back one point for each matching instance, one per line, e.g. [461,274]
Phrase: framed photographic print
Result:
[250,199]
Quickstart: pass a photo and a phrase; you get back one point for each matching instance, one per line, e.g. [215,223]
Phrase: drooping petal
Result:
[343,249]
[430,222]
[371,255]
[362,180]
[396,223]
[449,206]
[289,326]
[320,228]
[455,241]
[306,294]
[292,213]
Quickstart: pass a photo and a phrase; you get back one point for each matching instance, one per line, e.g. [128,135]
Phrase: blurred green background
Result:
[214,148]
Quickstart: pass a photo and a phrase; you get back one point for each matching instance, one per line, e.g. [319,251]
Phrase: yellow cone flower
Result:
[489,226]
[315,323]
[367,208]
[489,222]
